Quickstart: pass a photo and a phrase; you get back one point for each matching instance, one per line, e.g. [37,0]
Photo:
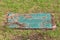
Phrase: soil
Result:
[34,37]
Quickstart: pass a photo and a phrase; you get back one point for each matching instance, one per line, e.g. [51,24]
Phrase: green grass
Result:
[29,6]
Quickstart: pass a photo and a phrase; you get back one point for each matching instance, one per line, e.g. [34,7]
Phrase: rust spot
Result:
[27,16]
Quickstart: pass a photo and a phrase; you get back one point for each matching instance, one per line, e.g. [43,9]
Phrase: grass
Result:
[30,6]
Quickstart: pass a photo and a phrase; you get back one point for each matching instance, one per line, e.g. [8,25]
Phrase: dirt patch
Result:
[40,36]
[37,36]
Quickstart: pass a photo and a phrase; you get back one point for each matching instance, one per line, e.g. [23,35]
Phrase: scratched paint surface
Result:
[36,20]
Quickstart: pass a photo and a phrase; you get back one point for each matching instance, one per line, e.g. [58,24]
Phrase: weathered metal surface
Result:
[34,20]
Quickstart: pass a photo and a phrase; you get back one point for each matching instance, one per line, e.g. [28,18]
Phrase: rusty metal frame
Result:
[52,20]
